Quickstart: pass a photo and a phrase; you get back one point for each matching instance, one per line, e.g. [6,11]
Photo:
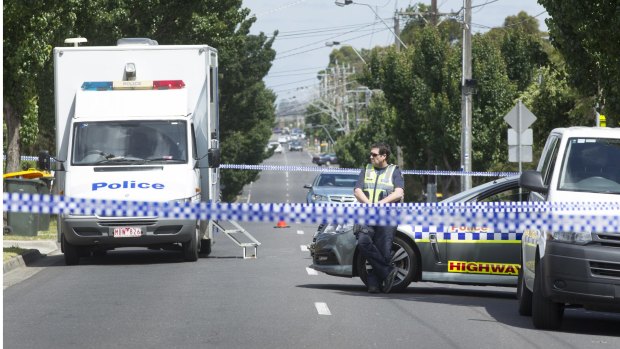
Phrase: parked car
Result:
[295,146]
[464,254]
[332,187]
[325,159]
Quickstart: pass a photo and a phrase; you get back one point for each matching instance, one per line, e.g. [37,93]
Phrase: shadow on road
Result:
[500,303]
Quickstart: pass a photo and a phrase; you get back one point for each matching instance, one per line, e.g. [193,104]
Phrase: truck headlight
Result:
[579,238]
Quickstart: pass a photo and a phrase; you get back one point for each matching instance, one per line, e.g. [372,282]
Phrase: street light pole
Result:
[466,99]
[349,2]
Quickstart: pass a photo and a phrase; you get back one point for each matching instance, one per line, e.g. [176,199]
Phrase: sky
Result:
[306,25]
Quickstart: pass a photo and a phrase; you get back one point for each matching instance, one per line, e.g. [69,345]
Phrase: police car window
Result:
[511,195]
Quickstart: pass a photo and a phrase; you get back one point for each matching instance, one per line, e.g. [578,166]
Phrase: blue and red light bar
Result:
[132,85]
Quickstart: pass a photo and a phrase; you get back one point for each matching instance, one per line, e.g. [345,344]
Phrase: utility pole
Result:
[466,98]
[434,12]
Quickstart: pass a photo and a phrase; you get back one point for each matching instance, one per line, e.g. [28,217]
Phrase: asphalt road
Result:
[136,298]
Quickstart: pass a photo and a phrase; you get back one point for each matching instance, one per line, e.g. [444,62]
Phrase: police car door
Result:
[479,254]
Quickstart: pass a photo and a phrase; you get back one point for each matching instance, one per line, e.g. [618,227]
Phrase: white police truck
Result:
[136,122]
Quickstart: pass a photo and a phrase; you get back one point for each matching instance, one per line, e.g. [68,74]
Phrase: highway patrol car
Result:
[463,254]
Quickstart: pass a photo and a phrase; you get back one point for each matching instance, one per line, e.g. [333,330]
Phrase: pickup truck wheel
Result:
[71,252]
[403,258]
[190,248]
[546,314]
[524,295]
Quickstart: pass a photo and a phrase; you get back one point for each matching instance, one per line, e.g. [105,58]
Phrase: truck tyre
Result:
[546,314]
[190,248]
[71,252]
[403,258]
[524,295]
[205,247]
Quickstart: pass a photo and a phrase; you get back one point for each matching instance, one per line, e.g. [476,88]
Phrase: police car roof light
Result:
[110,85]
[168,84]
[97,86]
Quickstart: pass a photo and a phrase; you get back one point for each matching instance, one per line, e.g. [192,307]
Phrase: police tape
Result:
[505,217]
[342,170]
[357,170]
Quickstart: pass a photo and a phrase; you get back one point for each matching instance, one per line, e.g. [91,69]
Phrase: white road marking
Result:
[300,232]
[304,248]
[322,308]
[311,271]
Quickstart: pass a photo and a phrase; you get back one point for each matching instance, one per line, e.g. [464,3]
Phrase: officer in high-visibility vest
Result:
[379,183]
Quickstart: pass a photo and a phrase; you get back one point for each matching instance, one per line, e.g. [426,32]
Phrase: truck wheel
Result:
[524,295]
[546,314]
[190,248]
[72,252]
[403,258]
[205,247]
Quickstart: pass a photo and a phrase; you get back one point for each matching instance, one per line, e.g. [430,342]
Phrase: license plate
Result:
[127,232]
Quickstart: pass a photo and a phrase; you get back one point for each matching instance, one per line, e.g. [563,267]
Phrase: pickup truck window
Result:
[548,162]
[591,165]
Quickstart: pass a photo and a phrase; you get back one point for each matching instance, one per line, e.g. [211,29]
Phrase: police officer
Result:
[379,183]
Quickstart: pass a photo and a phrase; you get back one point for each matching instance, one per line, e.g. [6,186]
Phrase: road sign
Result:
[526,153]
[527,117]
[527,137]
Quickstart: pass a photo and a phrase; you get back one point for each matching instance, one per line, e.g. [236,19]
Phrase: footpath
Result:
[35,250]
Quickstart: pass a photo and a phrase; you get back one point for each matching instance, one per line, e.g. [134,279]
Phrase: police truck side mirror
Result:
[213,157]
[44,161]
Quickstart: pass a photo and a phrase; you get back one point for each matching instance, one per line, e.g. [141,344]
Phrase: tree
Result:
[30,30]
[586,34]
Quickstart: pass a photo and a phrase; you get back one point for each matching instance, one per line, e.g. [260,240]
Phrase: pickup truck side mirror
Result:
[213,157]
[533,181]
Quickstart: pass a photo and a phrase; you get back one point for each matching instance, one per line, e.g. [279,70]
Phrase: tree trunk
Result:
[13,123]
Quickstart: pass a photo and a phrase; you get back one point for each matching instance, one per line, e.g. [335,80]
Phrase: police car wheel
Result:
[403,258]
[546,314]
[190,248]
[71,252]
[524,295]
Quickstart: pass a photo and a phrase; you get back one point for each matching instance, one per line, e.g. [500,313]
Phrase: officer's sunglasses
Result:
[373,155]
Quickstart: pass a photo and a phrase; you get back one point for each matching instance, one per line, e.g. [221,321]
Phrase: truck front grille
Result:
[605,269]
[609,239]
[125,222]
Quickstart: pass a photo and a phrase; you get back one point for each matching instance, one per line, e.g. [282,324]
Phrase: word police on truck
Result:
[136,121]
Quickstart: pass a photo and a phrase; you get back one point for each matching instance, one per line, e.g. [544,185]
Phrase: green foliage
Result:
[586,33]
[31,29]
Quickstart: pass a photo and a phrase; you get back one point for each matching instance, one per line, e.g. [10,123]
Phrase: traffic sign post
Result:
[520,137]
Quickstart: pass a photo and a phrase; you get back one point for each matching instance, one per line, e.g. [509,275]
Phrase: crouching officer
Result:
[379,183]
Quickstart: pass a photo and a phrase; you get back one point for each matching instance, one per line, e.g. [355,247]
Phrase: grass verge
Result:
[10,252]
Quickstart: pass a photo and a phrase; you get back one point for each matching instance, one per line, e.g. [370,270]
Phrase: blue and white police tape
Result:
[357,170]
[507,217]
[344,170]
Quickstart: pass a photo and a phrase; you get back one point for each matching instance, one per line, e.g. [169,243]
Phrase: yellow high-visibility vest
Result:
[378,187]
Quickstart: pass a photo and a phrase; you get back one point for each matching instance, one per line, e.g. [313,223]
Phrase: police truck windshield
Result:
[129,142]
